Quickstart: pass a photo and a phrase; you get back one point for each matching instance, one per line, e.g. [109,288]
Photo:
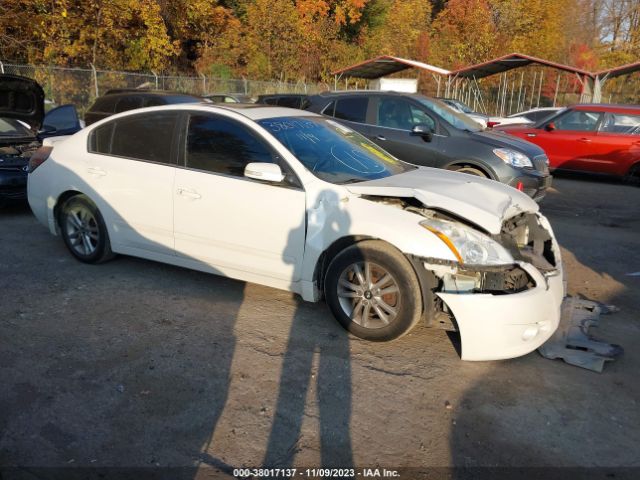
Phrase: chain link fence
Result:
[81,86]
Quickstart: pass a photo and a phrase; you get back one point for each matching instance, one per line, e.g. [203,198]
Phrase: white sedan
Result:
[296,201]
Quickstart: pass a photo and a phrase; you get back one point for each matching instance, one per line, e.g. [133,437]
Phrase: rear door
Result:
[616,147]
[240,226]
[130,169]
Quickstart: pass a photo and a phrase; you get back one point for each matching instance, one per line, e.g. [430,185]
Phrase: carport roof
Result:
[509,62]
[386,65]
[619,71]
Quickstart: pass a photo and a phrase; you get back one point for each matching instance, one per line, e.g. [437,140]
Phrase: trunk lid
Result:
[22,99]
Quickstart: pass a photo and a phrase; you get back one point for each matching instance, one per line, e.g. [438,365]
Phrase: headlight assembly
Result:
[513,158]
[469,246]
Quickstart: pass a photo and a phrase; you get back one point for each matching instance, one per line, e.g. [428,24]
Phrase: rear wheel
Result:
[469,170]
[633,176]
[84,231]
[373,291]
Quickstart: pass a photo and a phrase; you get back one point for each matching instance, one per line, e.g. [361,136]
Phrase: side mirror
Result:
[550,127]
[267,172]
[422,130]
[46,129]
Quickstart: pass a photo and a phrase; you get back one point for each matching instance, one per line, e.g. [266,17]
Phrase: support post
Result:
[540,88]
[555,94]
[95,79]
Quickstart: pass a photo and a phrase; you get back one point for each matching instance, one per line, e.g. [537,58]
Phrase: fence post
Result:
[204,84]
[1,67]
[95,79]
[156,78]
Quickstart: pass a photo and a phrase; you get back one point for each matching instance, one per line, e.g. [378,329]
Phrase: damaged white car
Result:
[299,202]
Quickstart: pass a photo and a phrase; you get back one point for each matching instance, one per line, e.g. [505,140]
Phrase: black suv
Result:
[425,131]
[121,100]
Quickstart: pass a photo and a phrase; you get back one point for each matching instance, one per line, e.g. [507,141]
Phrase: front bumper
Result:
[495,327]
[534,185]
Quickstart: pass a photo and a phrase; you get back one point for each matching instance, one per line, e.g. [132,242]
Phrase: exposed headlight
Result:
[468,245]
[513,158]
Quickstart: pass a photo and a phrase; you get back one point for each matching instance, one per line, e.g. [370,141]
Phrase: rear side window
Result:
[291,102]
[146,137]
[352,109]
[128,103]
[103,104]
[621,123]
[216,144]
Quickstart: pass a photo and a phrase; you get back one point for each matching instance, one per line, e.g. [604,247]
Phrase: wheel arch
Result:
[62,198]
[426,279]
[484,168]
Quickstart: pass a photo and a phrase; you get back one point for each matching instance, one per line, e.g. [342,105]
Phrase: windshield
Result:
[13,128]
[457,120]
[333,152]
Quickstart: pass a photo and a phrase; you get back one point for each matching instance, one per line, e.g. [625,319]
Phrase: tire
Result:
[349,301]
[633,176]
[84,231]
[469,170]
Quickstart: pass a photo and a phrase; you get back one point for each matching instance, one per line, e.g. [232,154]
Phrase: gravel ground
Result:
[138,364]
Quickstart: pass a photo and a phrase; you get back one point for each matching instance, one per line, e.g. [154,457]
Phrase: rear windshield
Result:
[13,128]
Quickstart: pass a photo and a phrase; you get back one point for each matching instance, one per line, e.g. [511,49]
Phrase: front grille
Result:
[541,163]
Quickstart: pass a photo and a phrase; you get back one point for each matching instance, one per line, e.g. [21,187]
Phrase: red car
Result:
[596,138]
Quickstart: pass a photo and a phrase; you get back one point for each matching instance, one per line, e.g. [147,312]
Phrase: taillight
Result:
[492,124]
[39,157]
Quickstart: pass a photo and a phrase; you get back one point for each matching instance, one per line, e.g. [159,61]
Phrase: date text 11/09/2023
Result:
[258,473]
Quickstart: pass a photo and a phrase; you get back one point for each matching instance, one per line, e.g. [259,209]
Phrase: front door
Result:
[392,131]
[237,225]
[569,144]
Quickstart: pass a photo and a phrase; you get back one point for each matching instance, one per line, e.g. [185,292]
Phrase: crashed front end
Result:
[505,305]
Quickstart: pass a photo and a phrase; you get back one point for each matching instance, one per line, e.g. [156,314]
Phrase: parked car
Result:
[23,125]
[462,107]
[291,100]
[527,117]
[124,99]
[425,131]
[300,202]
[597,138]
[229,98]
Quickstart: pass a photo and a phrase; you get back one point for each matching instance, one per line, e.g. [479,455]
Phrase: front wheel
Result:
[373,291]
[84,231]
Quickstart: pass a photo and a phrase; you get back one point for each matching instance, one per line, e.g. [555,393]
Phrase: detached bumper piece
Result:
[572,343]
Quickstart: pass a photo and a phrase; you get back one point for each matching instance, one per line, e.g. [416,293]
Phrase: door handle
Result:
[531,134]
[585,140]
[189,193]
[381,137]
[96,171]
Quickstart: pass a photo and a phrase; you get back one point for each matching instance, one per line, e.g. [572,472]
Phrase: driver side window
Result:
[578,120]
[216,144]
[400,114]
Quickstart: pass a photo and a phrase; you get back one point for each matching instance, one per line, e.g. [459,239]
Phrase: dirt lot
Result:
[134,363]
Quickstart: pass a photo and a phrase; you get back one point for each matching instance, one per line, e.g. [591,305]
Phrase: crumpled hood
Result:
[21,98]
[483,202]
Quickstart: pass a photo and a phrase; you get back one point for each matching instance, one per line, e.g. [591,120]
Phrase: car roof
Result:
[607,107]
[252,111]
[365,93]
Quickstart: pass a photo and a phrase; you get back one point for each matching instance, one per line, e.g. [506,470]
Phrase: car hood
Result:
[21,98]
[499,139]
[480,201]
